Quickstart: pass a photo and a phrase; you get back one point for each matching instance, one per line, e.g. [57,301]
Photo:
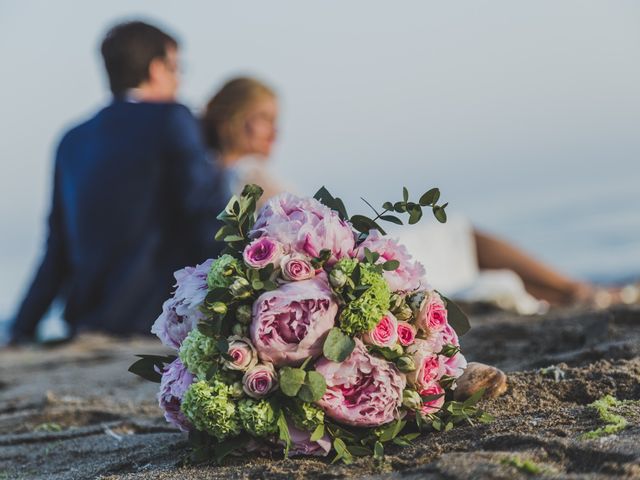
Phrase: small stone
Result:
[477,376]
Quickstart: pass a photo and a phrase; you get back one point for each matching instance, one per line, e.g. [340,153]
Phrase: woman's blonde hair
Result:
[224,116]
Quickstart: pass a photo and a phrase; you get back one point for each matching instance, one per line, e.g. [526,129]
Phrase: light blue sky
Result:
[525,114]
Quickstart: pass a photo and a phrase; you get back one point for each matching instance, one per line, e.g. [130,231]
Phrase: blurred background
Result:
[525,115]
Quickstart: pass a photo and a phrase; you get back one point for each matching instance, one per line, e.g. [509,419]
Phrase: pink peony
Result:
[290,323]
[262,252]
[429,365]
[448,336]
[302,444]
[259,380]
[181,313]
[296,267]
[304,225]
[406,333]
[385,333]
[433,313]
[408,276]
[363,390]
[432,406]
[242,353]
[175,381]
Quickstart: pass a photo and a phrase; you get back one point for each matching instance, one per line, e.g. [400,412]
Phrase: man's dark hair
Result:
[128,49]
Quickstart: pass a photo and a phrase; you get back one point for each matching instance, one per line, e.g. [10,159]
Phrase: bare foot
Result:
[477,376]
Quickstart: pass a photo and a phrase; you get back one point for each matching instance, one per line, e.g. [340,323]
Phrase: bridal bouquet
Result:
[313,332]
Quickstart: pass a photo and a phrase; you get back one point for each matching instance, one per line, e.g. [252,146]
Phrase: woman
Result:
[240,126]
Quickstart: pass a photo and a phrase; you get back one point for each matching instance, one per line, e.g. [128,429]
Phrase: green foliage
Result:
[283,432]
[337,346]
[211,410]
[307,416]
[198,352]
[148,365]
[307,386]
[525,466]
[258,417]
[456,317]
[614,423]
[238,218]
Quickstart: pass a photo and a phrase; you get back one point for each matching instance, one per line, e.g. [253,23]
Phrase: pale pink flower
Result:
[408,276]
[429,365]
[363,390]
[302,444]
[259,380]
[291,323]
[385,333]
[262,252]
[433,313]
[432,406]
[243,354]
[296,267]
[454,366]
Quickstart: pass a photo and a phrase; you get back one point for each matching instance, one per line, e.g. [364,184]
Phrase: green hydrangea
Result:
[257,417]
[307,416]
[197,353]
[210,411]
[223,270]
[363,314]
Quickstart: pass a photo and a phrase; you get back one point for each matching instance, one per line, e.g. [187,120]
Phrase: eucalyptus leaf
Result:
[440,214]
[390,265]
[430,197]
[318,433]
[342,451]
[291,379]
[338,346]
[391,219]
[405,194]
[313,388]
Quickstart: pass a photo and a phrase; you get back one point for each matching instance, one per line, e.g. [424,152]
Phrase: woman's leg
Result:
[540,280]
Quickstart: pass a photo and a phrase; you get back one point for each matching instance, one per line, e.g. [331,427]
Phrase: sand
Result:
[74,412]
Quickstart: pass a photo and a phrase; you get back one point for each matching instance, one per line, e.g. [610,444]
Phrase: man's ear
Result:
[156,67]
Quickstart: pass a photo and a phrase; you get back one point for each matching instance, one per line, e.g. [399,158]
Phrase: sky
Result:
[524,114]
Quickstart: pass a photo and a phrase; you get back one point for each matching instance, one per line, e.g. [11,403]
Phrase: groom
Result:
[134,197]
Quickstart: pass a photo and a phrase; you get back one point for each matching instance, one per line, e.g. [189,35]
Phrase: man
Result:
[134,197]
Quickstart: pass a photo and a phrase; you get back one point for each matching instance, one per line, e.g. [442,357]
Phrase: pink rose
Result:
[175,381]
[363,390]
[408,276]
[261,252]
[454,366]
[429,365]
[433,313]
[406,333]
[259,380]
[242,352]
[302,444]
[385,333]
[296,267]
[432,406]
[304,225]
[290,323]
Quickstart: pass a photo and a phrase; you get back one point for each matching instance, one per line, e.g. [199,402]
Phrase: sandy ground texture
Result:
[73,411]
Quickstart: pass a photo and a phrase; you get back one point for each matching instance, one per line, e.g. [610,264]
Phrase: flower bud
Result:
[218,307]
[415,301]
[239,329]
[337,278]
[411,399]
[404,313]
[406,364]
[236,390]
[240,288]
[396,301]
[243,314]
[397,349]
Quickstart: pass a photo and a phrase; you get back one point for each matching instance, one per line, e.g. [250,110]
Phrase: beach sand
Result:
[74,412]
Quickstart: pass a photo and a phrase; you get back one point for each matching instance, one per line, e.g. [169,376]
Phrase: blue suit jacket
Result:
[134,199]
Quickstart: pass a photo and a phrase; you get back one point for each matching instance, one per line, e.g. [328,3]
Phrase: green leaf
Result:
[332,202]
[233,238]
[318,433]
[313,388]
[400,207]
[415,214]
[475,398]
[338,346]
[391,219]
[387,206]
[440,214]
[146,366]
[359,450]
[291,379]
[283,432]
[342,451]
[390,265]
[405,194]
[364,224]
[430,197]
[456,317]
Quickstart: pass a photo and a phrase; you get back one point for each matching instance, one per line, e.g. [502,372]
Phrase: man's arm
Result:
[200,190]
[50,276]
